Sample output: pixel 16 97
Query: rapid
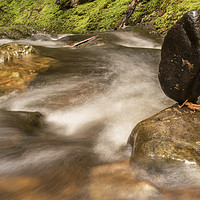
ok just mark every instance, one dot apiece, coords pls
pixel 91 98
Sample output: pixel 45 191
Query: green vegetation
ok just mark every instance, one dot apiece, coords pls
pixel 162 14
pixel 98 15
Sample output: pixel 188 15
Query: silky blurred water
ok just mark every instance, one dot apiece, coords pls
pixel 91 99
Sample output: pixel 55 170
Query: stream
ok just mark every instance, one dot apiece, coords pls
pixel 91 99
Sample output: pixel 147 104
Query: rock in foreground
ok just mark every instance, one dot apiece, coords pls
pixel 171 135
pixel 180 59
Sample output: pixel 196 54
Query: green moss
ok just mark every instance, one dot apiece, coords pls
pixel 164 13
pixel 98 15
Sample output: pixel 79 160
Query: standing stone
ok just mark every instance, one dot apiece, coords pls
pixel 179 70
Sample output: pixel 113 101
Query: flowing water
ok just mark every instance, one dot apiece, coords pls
pixel 91 99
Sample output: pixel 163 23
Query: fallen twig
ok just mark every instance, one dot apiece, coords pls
pixel 190 105
pixel 83 41
pixel 183 104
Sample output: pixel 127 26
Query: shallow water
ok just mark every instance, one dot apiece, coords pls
pixel 91 98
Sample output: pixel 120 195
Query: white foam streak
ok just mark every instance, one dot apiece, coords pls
pixel 30 160
pixel 5 41
pixel 24 101
pixel 132 96
pixel 40 39
pixel 131 39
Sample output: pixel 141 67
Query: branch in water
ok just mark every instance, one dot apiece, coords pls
pixel 83 41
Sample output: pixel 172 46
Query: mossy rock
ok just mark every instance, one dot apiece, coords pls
pixel 17 69
pixel 11 51
pixel 172 135
pixel 83 16
pixel 16 32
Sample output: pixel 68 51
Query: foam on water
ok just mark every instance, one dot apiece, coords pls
pixel 5 41
pixel 133 39
pixel 40 39
pixel 131 94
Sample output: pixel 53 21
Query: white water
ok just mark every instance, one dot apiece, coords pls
pixel 94 97
pixel 40 39
pixel 134 39
pixel 133 95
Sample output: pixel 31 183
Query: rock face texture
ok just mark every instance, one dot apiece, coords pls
pixel 171 135
pixel 179 70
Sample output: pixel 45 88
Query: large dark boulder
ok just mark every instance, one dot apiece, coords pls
pixel 179 70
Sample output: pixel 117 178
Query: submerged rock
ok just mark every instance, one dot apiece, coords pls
pixel 179 70
pixel 14 123
pixel 12 50
pixel 171 135
pixel 17 69
pixel 105 184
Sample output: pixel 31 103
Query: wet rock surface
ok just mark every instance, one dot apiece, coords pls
pixel 171 135
pixel 11 51
pixel 21 121
pixel 18 66
pixel 179 70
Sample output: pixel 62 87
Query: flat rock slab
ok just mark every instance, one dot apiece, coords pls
pixel 171 135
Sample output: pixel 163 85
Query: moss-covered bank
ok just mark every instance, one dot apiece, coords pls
pixel 162 14
pixel 98 15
